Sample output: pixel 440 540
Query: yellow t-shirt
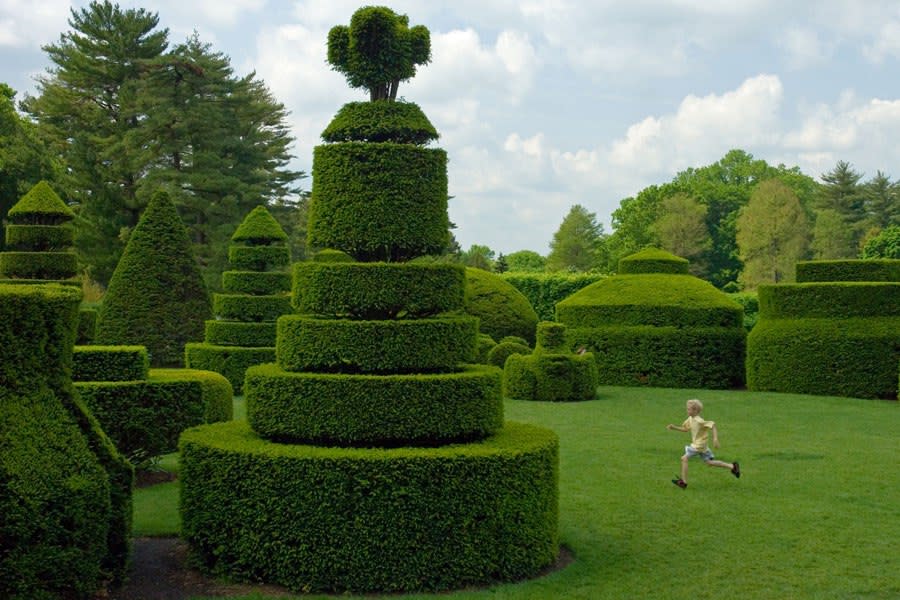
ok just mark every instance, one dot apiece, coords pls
pixel 699 432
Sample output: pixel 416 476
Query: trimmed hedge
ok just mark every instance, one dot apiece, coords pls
pixel 399 122
pixel 39 238
pixel 40 206
pixel 848 270
pixel 548 377
pixel 653 260
pixel 545 290
pixel 38 265
pixel 329 255
pixel 384 346
pixel 145 418
pixel 651 299
pixel 483 348
pixel 551 337
pixel 839 300
pixel 229 361
pixel 110 363
pixel 87 325
pixel 319 519
pixel 259 228
pixel 258 258
pixel 695 357
pixel 236 333
pixel 242 307
pixel 503 309
pixel 379 201
pixel 256 283
pixel 377 290
pixel 384 410
pixel 750 302
pixel 854 357
pixel 498 354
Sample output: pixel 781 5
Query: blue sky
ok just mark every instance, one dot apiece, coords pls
pixel 543 104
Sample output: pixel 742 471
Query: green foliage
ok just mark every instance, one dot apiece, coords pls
pixel 156 297
pixel 109 363
pixel 40 206
pixel 258 258
pixel 681 226
pixel 526 261
pixel 750 302
pixel 848 270
pixel 328 255
pixel 256 283
pixel 378 50
pixel 469 514
pixel 243 307
pixel 549 377
pixel 498 354
pixel 578 244
pixel 830 300
pixel 502 308
pixel 377 290
pixel 551 337
pixel 229 361
pixel 484 345
pixel 884 245
pixel 383 346
pixel 379 202
pixel 478 257
pixel 144 418
pixel 544 290
pixel 653 260
pixel 39 238
pixel 38 265
pixel 374 410
pixel 259 228
pixel 398 122
pixel 87 325
pixel 239 333
pixel 833 237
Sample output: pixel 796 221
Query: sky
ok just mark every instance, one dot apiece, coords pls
pixel 544 104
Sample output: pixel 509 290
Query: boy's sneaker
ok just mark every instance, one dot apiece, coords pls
pixel 736 469
pixel 680 483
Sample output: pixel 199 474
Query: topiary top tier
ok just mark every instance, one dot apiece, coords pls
pixel 653 260
pixel 381 121
pixel 848 270
pixel 40 206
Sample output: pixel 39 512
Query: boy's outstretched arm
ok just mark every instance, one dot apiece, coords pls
pixel 715 433
pixel 671 427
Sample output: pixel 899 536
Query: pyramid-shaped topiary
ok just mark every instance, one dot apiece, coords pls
pixel 372 458
pixel 255 295
pixel 655 324
pixel 156 296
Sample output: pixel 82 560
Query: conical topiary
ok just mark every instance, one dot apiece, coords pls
pixel 156 296
pixel 255 295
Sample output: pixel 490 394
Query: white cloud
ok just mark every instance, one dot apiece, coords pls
pixel 804 48
pixel 24 23
pixel 886 43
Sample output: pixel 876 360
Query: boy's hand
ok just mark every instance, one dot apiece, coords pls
pixel 716 443
pixel 670 427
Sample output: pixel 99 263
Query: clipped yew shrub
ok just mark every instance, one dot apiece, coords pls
pixel 66 500
pixel 665 329
pixel 544 290
pixel 551 373
pixel 829 338
pixel 374 459
pixel 502 309
pixel 243 332
pixel 156 296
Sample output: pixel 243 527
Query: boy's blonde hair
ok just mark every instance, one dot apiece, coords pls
pixel 697 403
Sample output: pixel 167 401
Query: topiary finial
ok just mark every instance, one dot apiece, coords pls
pixel 259 227
pixel 378 50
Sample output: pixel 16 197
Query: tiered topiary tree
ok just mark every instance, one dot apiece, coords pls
pixel 655 324
pixel 552 373
pixel 156 296
pixel 65 493
pixel 372 459
pixel 834 332
pixel 255 294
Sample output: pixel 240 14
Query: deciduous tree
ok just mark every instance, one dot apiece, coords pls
pixel 681 228
pixel 578 244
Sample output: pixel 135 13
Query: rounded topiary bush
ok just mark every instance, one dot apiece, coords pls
pixel 498 354
pixel 653 260
pixel 502 309
pixel 400 122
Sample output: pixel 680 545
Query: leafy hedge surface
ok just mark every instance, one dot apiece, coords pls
pixel 87 325
pixel 855 357
pixel 653 260
pixel 498 353
pixel 383 346
pixel 379 202
pixel 392 520
pixel 503 309
pixel 243 307
pixel 544 290
pixel 650 299
pixel 377 290
pixel 750 302
pixel 844 299
pixel 40 206
pixel 237 333
pixel 399 122
pixel 703 357
pixel 259 228
pixel 156 296
pixel 230 361
pixel 110 363
pixel 256 283
pixel 547 377
pixel 145 418
pixel 328 408
pixel 258 258
pixel 39 238
pixel 848 270
pixel 38 265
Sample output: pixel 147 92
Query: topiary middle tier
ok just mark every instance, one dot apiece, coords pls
pixel 325 519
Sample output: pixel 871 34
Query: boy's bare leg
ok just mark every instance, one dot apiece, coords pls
pixel 719 463
pixel 684 467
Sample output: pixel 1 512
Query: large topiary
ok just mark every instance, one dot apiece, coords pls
pixel 834 333
pixel 243 333
pixel 156 296
pixel 501 308
pixel 65 493
pixel 654 324
pixel 372 459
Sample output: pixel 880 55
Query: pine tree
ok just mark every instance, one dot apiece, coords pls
pixel 578 243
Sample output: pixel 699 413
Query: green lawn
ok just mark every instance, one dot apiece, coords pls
pixel 816 513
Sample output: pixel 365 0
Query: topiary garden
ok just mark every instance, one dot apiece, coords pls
pixel 373 459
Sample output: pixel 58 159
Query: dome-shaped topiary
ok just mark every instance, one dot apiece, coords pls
pixel 259 228
pixel 653 260
pixel 400 122
pixel 503 310
pixel 156 296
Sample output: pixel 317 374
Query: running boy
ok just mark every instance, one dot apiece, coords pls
pixel 699 429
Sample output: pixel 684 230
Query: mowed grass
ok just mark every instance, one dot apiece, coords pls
pixel 816 513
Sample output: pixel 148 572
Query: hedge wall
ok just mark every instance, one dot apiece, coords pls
pixel 544 290
pixel 110 363
pixel 229 361
pixel 386 410
pixel 319 519
pixel 550 377
pixel 839 300
pixel 238 333
pixel 503 309
pixel 379 201
pixel 848 270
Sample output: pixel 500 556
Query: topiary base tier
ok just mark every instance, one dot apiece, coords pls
pixel 231 361
pixel 360 519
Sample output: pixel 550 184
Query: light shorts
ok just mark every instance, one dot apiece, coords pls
pixel 691 452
